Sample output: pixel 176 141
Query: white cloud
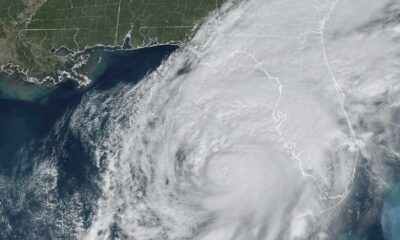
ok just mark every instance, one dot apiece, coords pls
pixel 256 140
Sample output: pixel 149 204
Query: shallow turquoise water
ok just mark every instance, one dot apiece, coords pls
pixel 12 89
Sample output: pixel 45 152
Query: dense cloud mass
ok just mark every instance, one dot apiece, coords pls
pixel 262 127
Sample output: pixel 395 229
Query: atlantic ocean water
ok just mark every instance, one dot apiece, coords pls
pixel 48 181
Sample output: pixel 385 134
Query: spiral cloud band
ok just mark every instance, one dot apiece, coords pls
pixel 254 130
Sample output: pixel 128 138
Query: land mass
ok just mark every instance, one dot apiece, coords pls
pixel 38 38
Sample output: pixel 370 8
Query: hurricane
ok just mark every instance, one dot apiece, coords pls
pixel 254 130
pixel 277 120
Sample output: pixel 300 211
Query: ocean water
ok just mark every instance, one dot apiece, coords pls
pixel 391 214
pixel 48 180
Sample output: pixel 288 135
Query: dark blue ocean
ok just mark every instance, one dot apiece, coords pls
pixel 35 198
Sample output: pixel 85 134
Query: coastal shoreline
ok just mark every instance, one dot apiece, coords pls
pixel 16 83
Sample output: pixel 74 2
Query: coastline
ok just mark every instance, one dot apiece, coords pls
pixel 88 65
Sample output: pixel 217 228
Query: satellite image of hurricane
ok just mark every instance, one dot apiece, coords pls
pixel 200 119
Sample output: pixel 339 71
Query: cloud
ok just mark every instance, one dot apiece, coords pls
pixel 248 132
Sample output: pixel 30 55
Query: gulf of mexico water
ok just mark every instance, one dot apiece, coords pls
pixel 48 181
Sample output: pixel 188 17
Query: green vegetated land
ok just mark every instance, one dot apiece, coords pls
pixel 29 29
